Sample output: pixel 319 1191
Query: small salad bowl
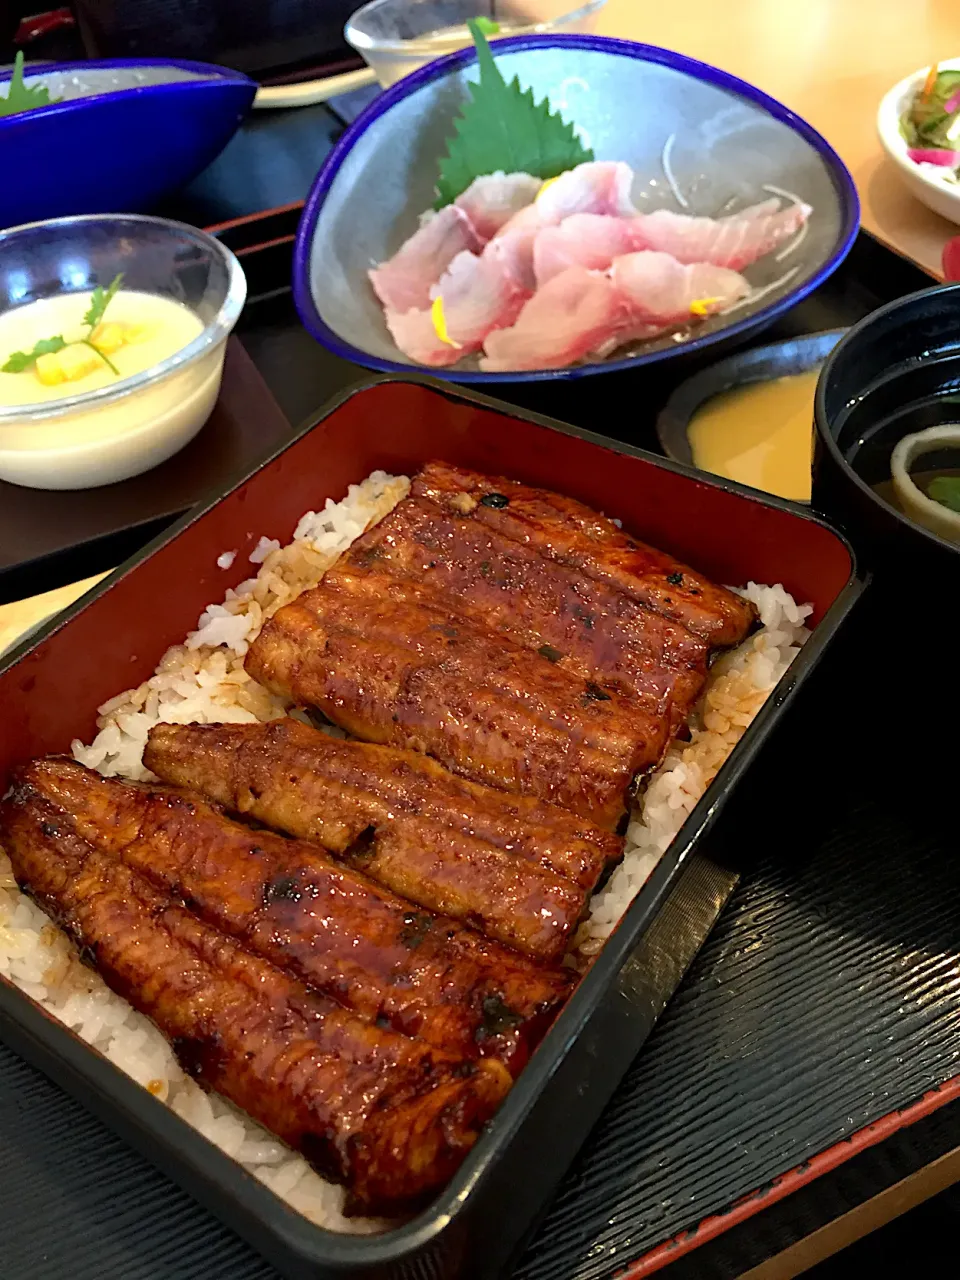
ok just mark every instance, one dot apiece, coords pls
pixel 699 140
pixel 118 134
pixel 936 184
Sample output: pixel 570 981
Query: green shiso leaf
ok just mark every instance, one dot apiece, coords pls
pixel 501 128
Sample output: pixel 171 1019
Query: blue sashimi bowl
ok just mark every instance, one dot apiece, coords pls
pixel 730 142
pixel 128 133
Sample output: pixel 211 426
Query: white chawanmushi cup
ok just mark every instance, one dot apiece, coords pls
pixel 97 437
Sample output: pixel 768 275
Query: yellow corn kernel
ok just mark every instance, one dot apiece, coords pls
pixel 49 370
pixel 109 337
pixel 77 361
pixel 137 332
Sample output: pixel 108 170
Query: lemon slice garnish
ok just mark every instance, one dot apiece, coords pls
pixel 440 322
pixel 700 306
pixel 549 183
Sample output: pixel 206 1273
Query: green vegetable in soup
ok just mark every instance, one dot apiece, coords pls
pixel 946 491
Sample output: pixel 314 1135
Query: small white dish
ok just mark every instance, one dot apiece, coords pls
pixel 927 182
pixel 118 430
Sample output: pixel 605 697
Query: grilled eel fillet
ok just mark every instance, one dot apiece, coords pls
pixel 388 1116
pixel 589 628
pixel 566 532
pixel 323 922
pixel 392 667
pixel 446 844
pixel 438 629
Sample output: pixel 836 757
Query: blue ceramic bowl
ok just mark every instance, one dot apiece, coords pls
pixel 731 145
pixel 128 133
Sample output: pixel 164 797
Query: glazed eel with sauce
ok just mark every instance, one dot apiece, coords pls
pixel 516 869
pixel 518 637
pixel 335 981
pixel 388 1115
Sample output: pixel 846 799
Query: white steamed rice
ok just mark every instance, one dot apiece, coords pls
pixel 203 681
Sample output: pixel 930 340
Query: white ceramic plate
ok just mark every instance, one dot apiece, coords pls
pixel 938 194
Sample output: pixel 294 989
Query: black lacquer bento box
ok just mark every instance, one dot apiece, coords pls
pixel 50 689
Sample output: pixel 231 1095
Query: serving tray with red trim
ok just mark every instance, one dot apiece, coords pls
pixel 810 1040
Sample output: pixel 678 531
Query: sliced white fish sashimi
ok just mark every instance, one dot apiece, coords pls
pixel 539 275
pixel 491 201
pixel 662 291
pixel 415 334
pixel 514 247
pixel 578 312
pixel 734 241
pixel 404 282
pixel 478 294
pixel 574 314
pixel 473 296
pixel 590 240
pixel 599 186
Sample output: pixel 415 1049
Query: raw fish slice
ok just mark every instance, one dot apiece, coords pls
pixel 514 244
pixel 660 291
pixel 734 241
pixel 491 201
pixel 479 294
pixel 600 186
pixel 403 283
pixel 590 240
pixel 527 220
pixel 513 247
pixel 640 332
pixel 573 314
pixel 754 210
pixel 415 334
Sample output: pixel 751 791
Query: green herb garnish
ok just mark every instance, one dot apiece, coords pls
pixel 946 491
pixel 100 299
pixel 21 98
pixel 22 360
pixel 502 129
pixel 487 26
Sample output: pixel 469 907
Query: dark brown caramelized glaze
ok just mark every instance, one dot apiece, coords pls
pixel 306 783
pixel 569 533
pixel 390 1117
pixel 366 804
pixel 407 673
pixel 516 636
pixel 325 923
pixel 594 630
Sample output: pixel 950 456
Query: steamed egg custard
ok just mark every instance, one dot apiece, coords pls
pixel 760 434
pixel 137 332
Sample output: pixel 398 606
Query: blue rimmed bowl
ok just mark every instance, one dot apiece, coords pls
pixel 127 133
pixel 732 145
